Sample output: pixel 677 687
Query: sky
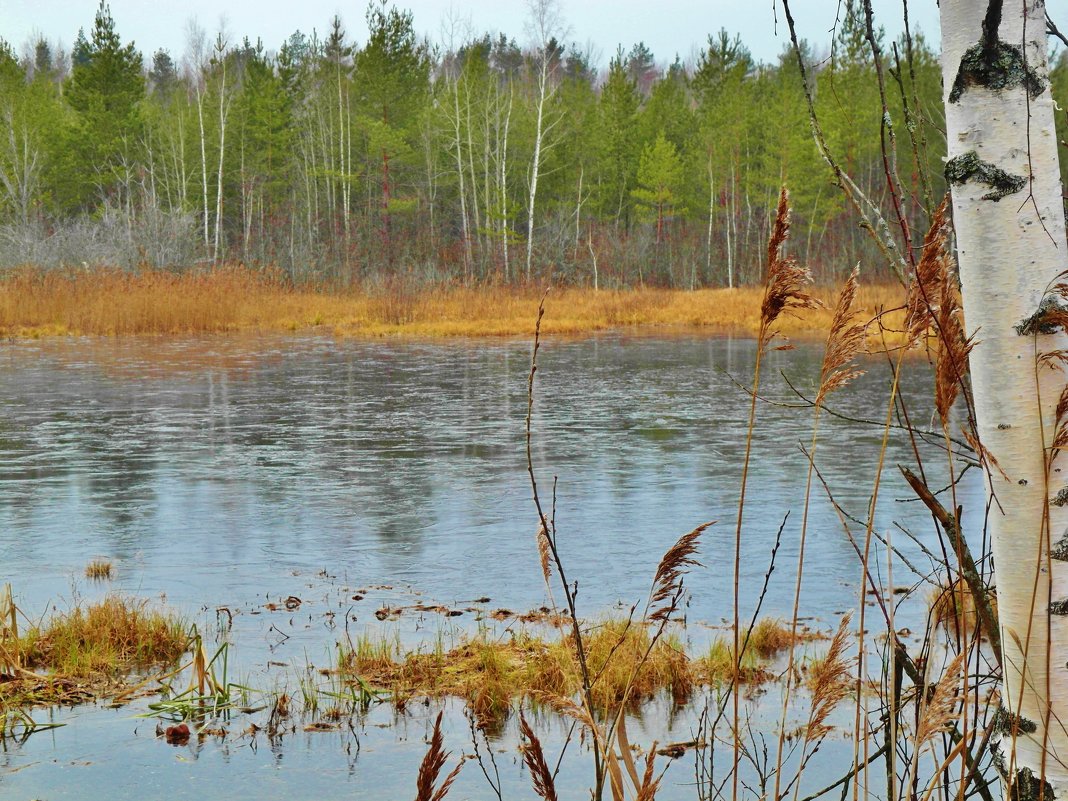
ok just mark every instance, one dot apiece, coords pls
pixel 667 27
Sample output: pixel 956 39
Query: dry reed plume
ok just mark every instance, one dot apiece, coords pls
pixel 541 776
pixel 786 282
pixel 830 680
pixel 427 788
pixel 844 342
pixel 933 305
pixel 112 302
pixel 667 581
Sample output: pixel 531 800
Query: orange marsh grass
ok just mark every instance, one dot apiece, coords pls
pixel 113 302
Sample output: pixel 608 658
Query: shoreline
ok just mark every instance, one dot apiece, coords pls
pixel 35 305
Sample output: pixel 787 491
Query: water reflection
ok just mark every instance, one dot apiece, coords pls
pixel 231 471
pixel 404 462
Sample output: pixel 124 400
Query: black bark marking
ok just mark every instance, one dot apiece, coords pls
pixel 1060 550
pixel 966 166
pixel 1050 317
pixel 1008 723
pixel 1059 607
pixel 1026 786
pixel 994 64
pixel 1061 499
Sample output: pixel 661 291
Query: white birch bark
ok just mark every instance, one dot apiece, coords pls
pixel 506 227
pixel 544 20
pixel 1011 248
pixel 220 48
pixel 535 163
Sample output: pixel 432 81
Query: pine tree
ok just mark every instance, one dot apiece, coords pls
pixel 619 148
pixel 105 89
pixel 659 179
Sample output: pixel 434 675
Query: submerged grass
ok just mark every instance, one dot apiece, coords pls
pixel 34 303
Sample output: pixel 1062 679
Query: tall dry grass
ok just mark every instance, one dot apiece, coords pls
pixel 104 302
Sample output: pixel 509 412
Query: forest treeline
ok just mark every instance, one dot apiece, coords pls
pixel 345 163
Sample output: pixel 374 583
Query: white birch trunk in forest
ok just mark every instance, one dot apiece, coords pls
pixel 458 145
pixel 535 163
pixel 223 109
pixel 203 162
pixel 502 183
pixel 1009 221
pixel 544 21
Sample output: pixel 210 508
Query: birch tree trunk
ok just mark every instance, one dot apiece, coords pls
pixel 1009 220
pixel 535 164
pixel 224 107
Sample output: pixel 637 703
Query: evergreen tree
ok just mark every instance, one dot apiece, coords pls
pixel 619 148
pixel 163 77
pixel 105 89
pixel 641 67
pixel 393 81
pixel 659 180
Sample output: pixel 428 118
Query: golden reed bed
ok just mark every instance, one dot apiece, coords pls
pixel 111 302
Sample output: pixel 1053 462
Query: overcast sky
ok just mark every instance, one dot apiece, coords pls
pixel 668 27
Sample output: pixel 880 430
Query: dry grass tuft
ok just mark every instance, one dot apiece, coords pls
pixel 489 674
pixel 34 303
pixel 110 637
pixel 98 570
pixel 717 666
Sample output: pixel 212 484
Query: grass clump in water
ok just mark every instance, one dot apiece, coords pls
pixel 111 637
pixel 717 665
pixel 98 570
pixel 490 673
